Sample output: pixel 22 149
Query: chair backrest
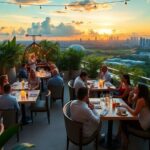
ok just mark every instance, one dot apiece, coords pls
pixel 73 128
pixel 10 117
pixel 71 90
pixel 57 92
pixel 47 97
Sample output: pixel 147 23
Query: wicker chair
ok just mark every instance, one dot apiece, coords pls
pixel 74 130
pixel 71 90
pixel 140 133
pixel 41 106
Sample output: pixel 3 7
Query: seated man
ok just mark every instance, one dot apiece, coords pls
pixel 7 101
pixel 105 74
pixel 83 111
pixel 23 72
pixel 56 79
pixel 80 81
pixel 56 86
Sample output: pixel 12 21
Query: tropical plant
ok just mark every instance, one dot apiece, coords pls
pixel 52 50
pixel 93 64
pixel 70 59
pixel 11 54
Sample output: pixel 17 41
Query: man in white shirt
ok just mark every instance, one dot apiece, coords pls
pixel 80 81
pixel 105 74
pixel 83 111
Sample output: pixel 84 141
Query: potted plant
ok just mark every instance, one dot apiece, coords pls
pixel 71 60
pixel 51 50
pixel 93 64
pixel 11 55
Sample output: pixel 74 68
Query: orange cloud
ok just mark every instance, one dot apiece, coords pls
pixel 88 5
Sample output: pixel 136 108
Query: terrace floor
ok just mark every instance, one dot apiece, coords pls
pixel 53 136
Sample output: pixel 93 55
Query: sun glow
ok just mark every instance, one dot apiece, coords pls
pixel 105 31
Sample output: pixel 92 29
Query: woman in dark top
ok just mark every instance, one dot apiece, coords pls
pixel 124 87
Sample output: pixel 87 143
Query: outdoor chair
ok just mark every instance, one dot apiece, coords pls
pixel 41 106
pixel 11 117
pixel 71 90
pixel 57 93
pixel 74 130
pixel 140 133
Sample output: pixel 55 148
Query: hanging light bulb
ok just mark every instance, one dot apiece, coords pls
pixel 40 7
pixel 125 2
pixel 65 7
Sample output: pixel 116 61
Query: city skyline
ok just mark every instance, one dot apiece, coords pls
pixel 84 20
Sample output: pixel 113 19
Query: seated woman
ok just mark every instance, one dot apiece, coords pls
pixel 124 88
pixel 33 81
pixel 3 81
pixel 23 74
pixel 141 109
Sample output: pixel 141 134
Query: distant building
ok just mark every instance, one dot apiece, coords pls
pixel 144 42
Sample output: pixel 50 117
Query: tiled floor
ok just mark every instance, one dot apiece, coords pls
pixel 53 136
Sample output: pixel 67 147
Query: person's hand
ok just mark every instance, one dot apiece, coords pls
pixel 91 106
pixel 123 105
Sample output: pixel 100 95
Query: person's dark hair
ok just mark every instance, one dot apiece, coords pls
pixel 127 77
pixel 83 74
pixel 82 92
pixel 144 93
pixel 7 88
pixel 23 65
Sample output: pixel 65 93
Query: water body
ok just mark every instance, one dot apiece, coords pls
pixel 125 62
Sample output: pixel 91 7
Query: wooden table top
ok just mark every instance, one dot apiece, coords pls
pixel 43 74
pixel 32 96
pixel 18 85
pixel 96 87
pixel 102 104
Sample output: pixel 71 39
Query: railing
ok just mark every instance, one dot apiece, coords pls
pixel 115 73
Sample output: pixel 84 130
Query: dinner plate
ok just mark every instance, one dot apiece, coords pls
pixel 122 114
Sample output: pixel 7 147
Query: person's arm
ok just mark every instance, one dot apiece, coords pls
pixel 125 94
pixel 92 116
pixel 140 104
pixel 37 85
pixel 16 104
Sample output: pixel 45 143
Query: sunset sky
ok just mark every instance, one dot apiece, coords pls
pixel 83 20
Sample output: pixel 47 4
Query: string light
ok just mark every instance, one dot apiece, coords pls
pixel 71 5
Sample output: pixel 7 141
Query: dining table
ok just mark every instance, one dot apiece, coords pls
pixel 43 75
pixel 20 85
pixel 94 85
pixel 28 97
pixel 109 109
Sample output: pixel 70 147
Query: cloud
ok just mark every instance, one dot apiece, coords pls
pixel 60 12
pixel 30 1
pixel 20 31
pixel 46 28
pixel 77 22
pixel 87 5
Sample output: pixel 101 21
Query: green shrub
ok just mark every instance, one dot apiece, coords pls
pixel 70 59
